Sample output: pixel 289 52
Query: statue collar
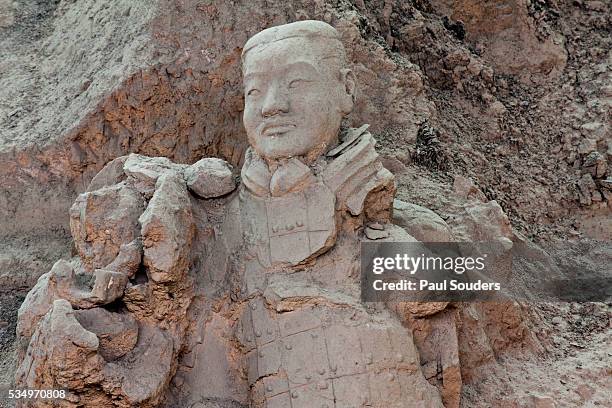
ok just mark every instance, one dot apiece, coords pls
pixel 292 174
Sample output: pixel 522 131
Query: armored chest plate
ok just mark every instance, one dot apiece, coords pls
pixel 296 225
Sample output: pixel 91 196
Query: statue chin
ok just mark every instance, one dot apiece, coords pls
pixel 290 144
pixel 278 151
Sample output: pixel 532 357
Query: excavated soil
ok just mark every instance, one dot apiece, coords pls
pixel 9 304
pixel 518 94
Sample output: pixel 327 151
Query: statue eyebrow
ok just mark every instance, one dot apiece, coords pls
pixel 297 64
pixel 252 75
pixel 302 64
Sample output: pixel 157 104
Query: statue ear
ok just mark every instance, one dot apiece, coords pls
pixel 348 96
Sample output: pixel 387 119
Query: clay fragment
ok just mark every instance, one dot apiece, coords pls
pixel 108 286
pixel 116 332
pixel 420 222
pixel 103 220
pixel 143 171
pixel 167 230
pixel 210 178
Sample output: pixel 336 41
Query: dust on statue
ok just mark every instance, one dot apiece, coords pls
pixel 187 292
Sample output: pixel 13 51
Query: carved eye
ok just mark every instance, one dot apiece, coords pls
pixel 296 83
pixel 253 92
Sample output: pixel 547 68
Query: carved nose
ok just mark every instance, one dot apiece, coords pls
pixel 276 102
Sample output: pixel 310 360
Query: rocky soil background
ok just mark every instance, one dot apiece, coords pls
pixel 506 100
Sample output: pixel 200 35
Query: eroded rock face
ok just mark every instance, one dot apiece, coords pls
pixel 84 327
pixel 117 333
pixel 508 34
pixel 61 282
pixel 143 171
pixel 141 378
pixel 103 220
pixel 420 222
pixel 436 339
pixel 167 230
pixel 61 354
pixel 465 188
pixel 483 222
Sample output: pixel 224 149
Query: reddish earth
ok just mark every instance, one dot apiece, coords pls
pixel 517 95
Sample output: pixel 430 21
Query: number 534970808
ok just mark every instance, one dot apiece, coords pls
pixel 36 394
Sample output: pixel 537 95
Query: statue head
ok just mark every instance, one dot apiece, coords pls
pixel 297 89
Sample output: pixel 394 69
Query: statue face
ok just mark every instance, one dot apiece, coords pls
pixel 294 100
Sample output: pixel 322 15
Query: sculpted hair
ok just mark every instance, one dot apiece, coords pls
pixel 323 34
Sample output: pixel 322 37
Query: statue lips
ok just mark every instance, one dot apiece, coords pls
pixel 276 128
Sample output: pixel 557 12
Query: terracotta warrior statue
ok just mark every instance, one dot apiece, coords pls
pixel 308 191
pixel 188 292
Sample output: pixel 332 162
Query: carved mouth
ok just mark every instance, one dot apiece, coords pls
pixel 276 129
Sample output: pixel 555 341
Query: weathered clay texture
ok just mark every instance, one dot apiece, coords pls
pixel 108 325
pixel 164 80
pixel 297 332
